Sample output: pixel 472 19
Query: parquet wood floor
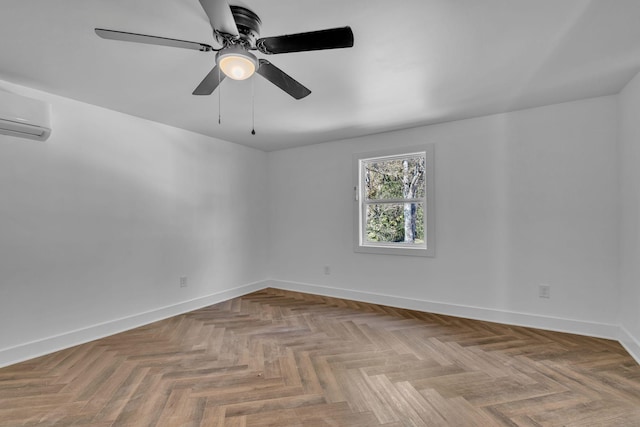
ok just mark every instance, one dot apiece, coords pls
pixel 279 358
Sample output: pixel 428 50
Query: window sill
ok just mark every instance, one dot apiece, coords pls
pixel 383 250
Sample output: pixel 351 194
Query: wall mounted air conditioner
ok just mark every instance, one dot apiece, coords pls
pixel 24 117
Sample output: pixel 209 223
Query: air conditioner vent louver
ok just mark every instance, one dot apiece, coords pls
pixel 24 117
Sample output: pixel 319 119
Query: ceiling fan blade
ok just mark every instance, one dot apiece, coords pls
pixel 210 82
pixel 281 79
pixel 333 38
pixel 143 38
pixel 220 16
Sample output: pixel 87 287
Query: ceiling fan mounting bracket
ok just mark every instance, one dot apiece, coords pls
pixel 225 39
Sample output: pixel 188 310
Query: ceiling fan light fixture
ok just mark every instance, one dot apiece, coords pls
pixel 236 63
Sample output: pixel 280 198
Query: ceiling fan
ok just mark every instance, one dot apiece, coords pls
pixel 237 29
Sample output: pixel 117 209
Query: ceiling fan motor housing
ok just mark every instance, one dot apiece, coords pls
pixel 248 24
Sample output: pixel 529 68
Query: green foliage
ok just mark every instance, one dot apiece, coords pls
pixel 385 223
pixel 384 179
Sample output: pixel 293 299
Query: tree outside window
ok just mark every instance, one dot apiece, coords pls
pixel 393 204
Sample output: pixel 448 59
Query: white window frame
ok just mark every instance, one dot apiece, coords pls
pixel 359 225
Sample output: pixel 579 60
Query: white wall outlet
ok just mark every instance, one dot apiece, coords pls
pixel 327 270
pixel 183 281
pixel 544 290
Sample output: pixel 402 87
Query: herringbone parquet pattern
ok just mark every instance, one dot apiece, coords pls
pixel 278 358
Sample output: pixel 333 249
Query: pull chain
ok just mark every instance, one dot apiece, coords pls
pixel 253 105
pixel 219 90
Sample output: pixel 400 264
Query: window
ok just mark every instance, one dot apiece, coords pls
pixel 394 202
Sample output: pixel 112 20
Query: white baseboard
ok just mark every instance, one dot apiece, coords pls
pixel 630 343
pixel 30 350
pixel 592 329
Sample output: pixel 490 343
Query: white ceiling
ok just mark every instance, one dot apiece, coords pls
pixel 414 62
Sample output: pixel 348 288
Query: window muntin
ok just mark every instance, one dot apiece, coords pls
pixel 394 202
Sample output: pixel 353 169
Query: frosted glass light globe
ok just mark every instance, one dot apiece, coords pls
pixel 236 63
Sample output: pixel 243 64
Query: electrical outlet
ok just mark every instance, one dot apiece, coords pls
pixel 544 290
pixel 183 281
pixel 327 270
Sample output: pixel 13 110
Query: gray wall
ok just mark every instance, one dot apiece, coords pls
pixel 99 222
pixel 522 198
pixel 629 107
